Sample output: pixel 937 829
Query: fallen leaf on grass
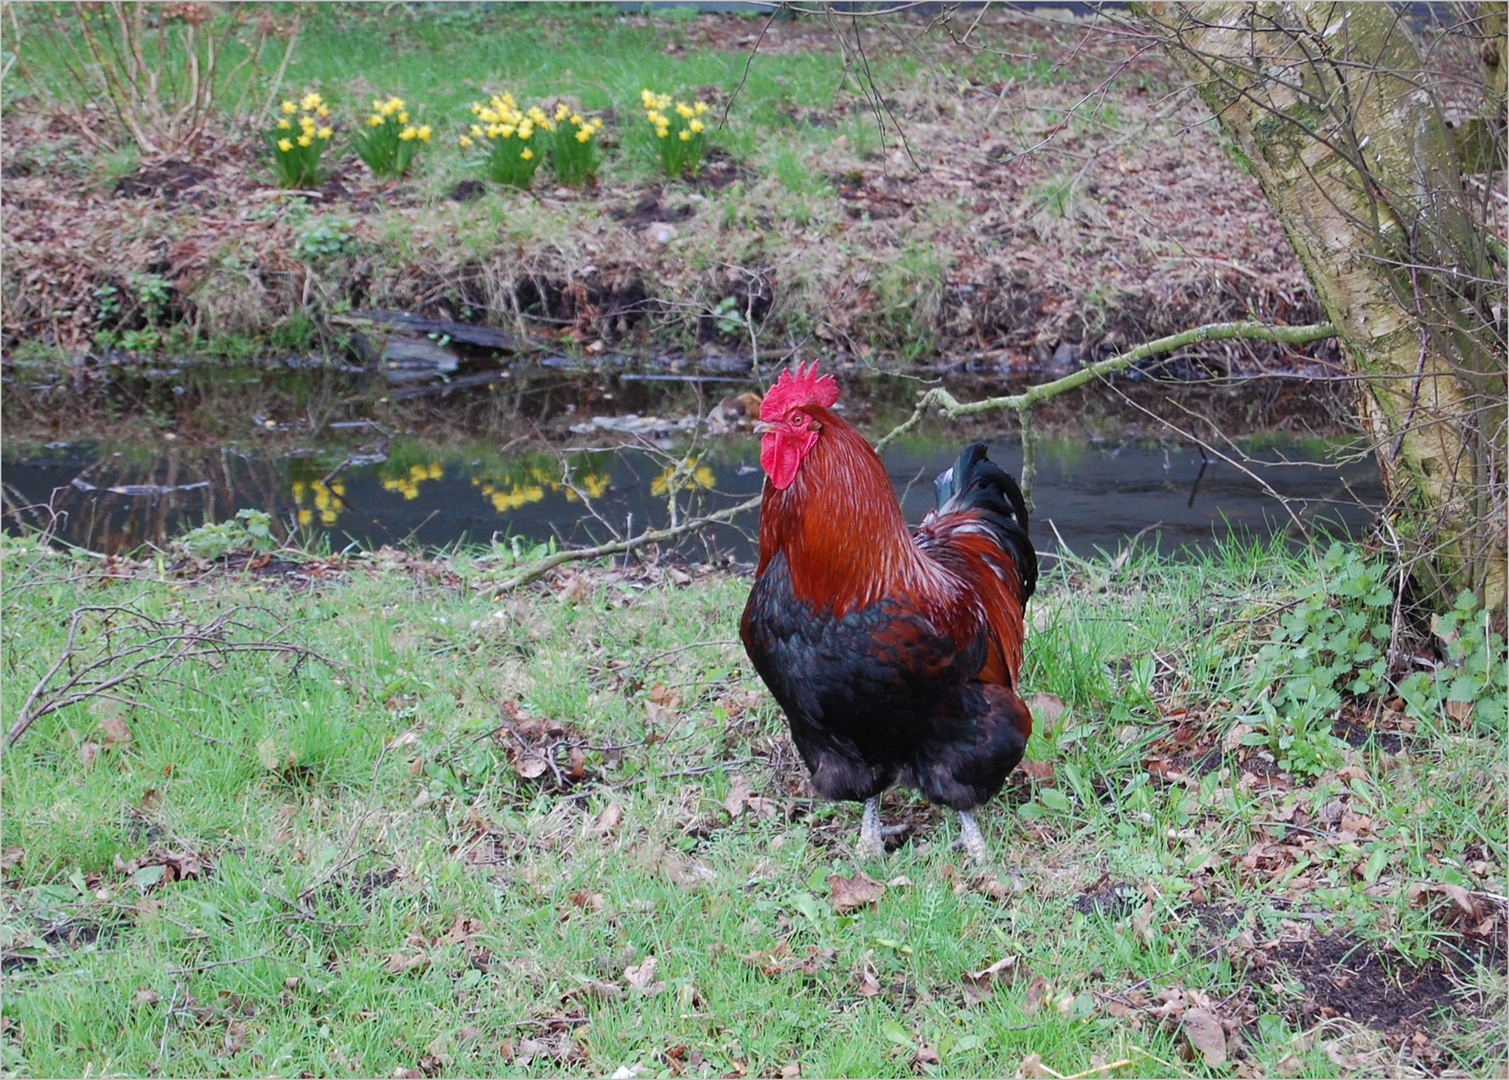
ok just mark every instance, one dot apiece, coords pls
pixel 1041 772
pixel 608 819
pixel 791 1070
pixel 145 995
pixel 1205 1034
pixel 530 766
pixel 926 1054
pixel 641 976
pixel 1037 990
pixel 1032 1068
pixel 980 985
pixel 594 989
pixel 851 894
pixel 869 981
pixel 462 927
pixel 1046 710
pixel 402 963
pixel 115 733
pixel 741 797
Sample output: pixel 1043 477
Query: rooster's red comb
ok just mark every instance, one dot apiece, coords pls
pixel 798 386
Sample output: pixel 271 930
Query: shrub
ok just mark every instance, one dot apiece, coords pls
pixel 680 132
pixel 297 139
pixel 388 142
pixel 515 140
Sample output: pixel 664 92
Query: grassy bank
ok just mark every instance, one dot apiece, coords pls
pixel 360 817
pixel 1027 192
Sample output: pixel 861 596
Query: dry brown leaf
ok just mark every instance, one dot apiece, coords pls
pixel 1032 1068
pixel 1203 1030
pixel 1041 772
pixel 662 695
pixel 115 733
pixel 1037 990
pixel 400 963
pixel 1046 710
pixel 641 976
pixel 739 794
pixel 869 981
pixel 595 988
pixel 980 985
pixel 927 1054
pixel 145 995
pixel 530 766
pixel 608 819
pixel 851 894
pixel 462 927
pixel 791 1070
pixel 87 753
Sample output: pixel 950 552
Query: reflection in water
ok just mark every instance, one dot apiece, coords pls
pixel 1091 497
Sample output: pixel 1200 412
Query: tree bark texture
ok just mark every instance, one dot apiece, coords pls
pixel 1330 106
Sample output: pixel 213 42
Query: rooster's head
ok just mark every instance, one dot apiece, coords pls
pixel 790 429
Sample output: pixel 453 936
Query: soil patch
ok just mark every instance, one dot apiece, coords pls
pixel 1348 978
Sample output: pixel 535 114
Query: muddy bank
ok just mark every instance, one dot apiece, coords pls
pixel 1033 222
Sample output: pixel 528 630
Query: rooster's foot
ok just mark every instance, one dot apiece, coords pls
pixel 871 836
pixel 970 839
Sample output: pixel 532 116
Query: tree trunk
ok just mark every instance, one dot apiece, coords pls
pixel 1331 107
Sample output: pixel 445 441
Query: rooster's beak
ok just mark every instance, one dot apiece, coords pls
pixel 762 426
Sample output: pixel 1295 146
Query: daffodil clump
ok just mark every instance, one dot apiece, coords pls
pixel 680 132
pixel 516 140
pixel 388 140
pixel 573 146
pixel 297 139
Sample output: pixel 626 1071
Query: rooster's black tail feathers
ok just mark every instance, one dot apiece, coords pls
pixel 978 485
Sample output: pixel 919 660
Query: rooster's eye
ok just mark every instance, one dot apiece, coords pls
pixel 798 419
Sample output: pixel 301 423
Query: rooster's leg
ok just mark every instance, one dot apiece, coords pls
pixel 871 842
pixel 969 837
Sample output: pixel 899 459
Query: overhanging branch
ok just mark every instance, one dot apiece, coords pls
pixel 952 407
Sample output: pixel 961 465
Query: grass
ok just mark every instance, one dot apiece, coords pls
pixel 435 832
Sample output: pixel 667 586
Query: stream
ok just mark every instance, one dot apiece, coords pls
pixel 584 457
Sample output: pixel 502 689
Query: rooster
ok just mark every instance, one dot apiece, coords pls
pixel 895 655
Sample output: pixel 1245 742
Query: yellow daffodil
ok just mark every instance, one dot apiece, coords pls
pixel 407 133
pixel 685 136
pixel 465 141
pixel 284 125
pixel 311 101
pixel 583 135
pixel 289 108
pixel 323 110
pixel 700 108
pixel 306 140
pixel 403 117
pixel 424 132
pixel 325 132
pixel 285 145
pixel 528 154
pixel 374 121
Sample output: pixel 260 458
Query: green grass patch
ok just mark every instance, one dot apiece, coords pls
pixel 360 817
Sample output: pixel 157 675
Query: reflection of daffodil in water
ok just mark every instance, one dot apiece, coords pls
pixel 687 474
pixel 591 484
pixel 407 483
pixel 313 499
pixel 514 497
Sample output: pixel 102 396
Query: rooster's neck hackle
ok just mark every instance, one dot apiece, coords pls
pixel 840 527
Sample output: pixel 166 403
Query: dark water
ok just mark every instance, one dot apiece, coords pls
pixel 1089 496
